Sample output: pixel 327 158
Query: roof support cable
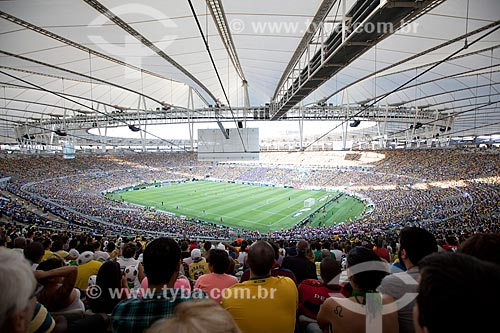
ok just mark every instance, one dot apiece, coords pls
pixel 415 56
pixel 78 74
pixel 91 87
pixel 217 73
pixel 404 84
pixel 466 26
pixel 85 106
pixel 491 71
pixel 146 42
pixel 81 47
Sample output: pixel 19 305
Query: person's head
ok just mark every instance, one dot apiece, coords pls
pixel 207 246
pixel 110 247
pixel 483 246
pixel 302 247
pixel 325 253
pixel 109 275
pixel 57 245
pixel 49 265
pixel 34 252
pixel 276 250
pixel 19 243
pixel 17 292
pixel 329 270
pixel 371 269
pixel 218 261
pixel 184 246
pixel 379 242
pixel 199 316
pixel 451 240
pixel 310 254
pixel 444 303
pixel 161 261
pixel 72 243
pixel 96 246
pixel 260 258
pixel 195 254
pixel 47 244
pixel 109 278
pixel 414 244
pixel 129 250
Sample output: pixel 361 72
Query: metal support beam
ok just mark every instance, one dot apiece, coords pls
pixel 306 40
pixel 340 47
pixel 190 105
pixel 246 100
pixel 301 127
pixel 345 123
pixel 220 21
pixel 146 42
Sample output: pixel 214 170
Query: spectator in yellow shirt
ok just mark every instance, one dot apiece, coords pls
pixel 87 266
pixel 47 244
pixel 264 303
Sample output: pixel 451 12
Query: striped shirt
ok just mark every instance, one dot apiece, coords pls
pixel 42 321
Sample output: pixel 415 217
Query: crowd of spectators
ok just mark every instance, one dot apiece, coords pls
pixel 74 282
pixel 448 191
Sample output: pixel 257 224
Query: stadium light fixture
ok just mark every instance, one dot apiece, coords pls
pixel 134 128
pixel 60 133
pixel 355 123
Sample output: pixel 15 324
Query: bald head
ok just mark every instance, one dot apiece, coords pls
pixel 260 258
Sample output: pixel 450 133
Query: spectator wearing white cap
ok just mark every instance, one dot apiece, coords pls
pixel 198 266
pixel 100 255
pixel 72 257
pixel 194 253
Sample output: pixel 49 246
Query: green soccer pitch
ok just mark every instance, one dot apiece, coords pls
pixel 248 207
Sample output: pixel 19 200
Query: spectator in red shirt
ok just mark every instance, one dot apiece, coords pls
pixel 312 293
pixel 451 243
pixel 381 250
pixel 192 246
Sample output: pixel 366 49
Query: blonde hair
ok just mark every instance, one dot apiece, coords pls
pixel 199 316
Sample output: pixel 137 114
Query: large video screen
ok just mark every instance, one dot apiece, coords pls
pixel 213 145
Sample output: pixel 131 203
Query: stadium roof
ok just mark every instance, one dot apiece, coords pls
pixel 67 58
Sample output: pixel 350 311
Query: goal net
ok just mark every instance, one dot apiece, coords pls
pixel 309 202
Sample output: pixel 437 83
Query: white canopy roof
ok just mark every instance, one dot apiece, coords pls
pixel 56 48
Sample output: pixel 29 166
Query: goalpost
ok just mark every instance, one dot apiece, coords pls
pixel 309 202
